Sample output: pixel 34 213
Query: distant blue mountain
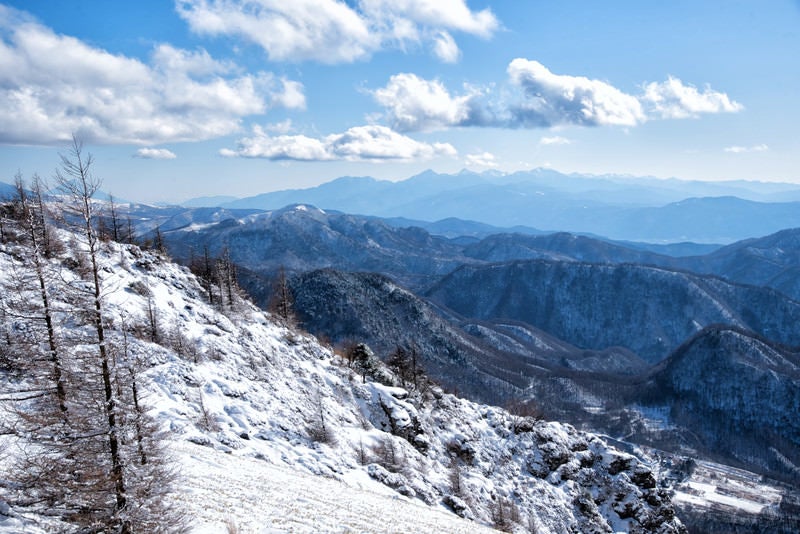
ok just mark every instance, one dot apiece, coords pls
pixel 6 190
pixel 208 202
pixel 617 207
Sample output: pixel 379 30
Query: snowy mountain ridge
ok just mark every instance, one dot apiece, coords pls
pixel 244 400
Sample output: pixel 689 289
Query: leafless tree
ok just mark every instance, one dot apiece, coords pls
pixel 282 303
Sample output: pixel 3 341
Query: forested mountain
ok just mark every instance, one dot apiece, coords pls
pixel 157 359
pixel 300 238
pixel 495 362
pixel 500 361
pixel 739 394
pixel 773 261
pixel 649 310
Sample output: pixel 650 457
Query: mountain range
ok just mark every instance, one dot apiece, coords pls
pixel 617 207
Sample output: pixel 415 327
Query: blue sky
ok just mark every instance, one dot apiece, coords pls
pixel 238 97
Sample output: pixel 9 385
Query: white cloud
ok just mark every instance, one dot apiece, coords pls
pixel 482 159
pixel 291 96
pixel 555 140
pixel 450 14
pixel 53 86
pixel 674 100
pixel 360 143
pixel 745 149
pixel 154 153
pixel 332 31
pixel 415 104
pixel 535 97
pixel 557 99
pixel 445 48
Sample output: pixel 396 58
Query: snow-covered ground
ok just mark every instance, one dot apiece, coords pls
pixel 260 497
pixel 275 432
pixel 716 486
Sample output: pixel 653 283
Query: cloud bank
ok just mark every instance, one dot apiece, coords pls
pixel 535 97
pixel 360 143
pixel 53 85
pixel 332 31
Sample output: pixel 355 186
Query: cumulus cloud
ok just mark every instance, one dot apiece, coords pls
pixel 556 99
pixel 535 97
pixel 154 153
pixel 482 159
pixel 52 86
pixel 745 149
pixel 674 100
pixel 332 31
pixel 415 104
pixel 555 140
pixel 360 143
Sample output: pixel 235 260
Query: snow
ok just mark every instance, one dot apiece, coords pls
pixel 259 497
pixel 712 486
pixel 275 433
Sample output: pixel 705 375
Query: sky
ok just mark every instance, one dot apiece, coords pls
pixel 188 98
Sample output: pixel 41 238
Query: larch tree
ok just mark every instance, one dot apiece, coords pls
pixel 75 179
pixel 137 478
pixel 282 303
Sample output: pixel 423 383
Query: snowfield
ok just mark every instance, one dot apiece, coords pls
pixel 258 497
pixel 274 432
pixel 726 488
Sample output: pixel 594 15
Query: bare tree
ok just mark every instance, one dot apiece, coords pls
pixel 115 235
pixel 226 277
pixel 88 452
pixel 282 303
pixel 76 179
pixel 34 225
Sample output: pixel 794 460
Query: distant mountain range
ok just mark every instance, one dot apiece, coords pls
pixel 617 207
pixel 302 238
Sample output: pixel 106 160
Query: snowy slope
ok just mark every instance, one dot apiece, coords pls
pixel 276 433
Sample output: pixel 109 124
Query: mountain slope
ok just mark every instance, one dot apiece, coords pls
pixel 646 309
pixel 242 386
pixel 771 260
pixel 739 393
pixel 485 361
pixel 304 238
pixel 559 246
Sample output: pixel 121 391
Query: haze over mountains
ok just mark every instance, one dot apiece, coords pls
pixel 616 207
